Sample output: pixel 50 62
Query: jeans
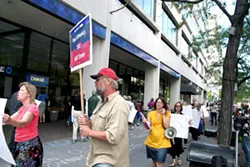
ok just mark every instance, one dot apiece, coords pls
pixel 102 165
pixel 246 148
pixel 137 118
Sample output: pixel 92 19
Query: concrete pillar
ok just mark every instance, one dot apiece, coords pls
pixel 152 83
pixel 175 89
pixel 100 60
pixel 101 49
pixel 202 99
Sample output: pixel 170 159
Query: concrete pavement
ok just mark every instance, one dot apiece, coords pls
pixel 62 153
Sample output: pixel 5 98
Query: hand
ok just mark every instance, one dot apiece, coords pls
pixel 6 118
pixel 83 120
pixel 163 111
pixel 85 130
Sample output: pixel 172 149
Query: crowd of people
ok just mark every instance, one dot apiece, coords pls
pixel 106 125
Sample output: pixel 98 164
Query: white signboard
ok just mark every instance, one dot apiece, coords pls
pixel 131 116
pixel 204 110
pixel 37 102
pixel 180 123
pixel 187 110
pixel 196 118
pixel 4 150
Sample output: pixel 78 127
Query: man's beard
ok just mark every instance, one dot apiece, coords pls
pixel 101 91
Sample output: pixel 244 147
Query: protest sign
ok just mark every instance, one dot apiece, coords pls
pixel 180 123
pixel 4 150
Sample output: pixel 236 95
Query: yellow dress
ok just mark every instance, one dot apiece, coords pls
pixel 156 138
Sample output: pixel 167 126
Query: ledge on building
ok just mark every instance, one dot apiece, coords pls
pixel 141 15
pixel 189 89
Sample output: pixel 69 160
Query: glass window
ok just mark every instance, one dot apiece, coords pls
pixel 59 73
pixel 4 27
pixel 184 47
pixel 39 52
pixel 11 49
pixel 147 6
pixel 169 28
pixel 59 65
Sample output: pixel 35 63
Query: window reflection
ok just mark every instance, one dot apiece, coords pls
pixel 11 49
pixel 38 59
pixel 147 6
pixel 169 28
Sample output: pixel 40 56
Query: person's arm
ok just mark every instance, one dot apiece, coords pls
pixel 166 119
pixel 27 118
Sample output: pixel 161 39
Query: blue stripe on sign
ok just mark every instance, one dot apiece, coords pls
pixel 65 12
pixel 169 70
pixel 122 43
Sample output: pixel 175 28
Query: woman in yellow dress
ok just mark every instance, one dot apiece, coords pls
pixel 156 143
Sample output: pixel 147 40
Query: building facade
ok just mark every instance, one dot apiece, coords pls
pixel 142 42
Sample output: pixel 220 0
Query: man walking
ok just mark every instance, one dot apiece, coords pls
pixel 108 128
pixel 92 102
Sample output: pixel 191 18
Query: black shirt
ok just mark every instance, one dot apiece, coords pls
pixel 76 102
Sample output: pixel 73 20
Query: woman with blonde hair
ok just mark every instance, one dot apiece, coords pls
pixel 28 149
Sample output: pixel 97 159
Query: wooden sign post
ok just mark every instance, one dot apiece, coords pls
pixel 81 49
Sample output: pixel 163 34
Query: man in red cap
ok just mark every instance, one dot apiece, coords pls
pixel 108 127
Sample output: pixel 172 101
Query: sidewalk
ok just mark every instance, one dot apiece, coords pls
pixel 57 131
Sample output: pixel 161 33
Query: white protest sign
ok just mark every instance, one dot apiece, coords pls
pixel 37 102
pixel 4 150
pixel 196 118
pixel 131 116
pixel 204 110
pixel 180 123
pixel 187 110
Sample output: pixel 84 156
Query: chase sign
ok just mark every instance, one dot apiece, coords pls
pixel 6 70
pixel 37 80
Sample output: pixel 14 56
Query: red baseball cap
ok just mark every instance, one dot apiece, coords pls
pixel 105 72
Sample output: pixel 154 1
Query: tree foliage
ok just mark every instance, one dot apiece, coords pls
pixel 234 64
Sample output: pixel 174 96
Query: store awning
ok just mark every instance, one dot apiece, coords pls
pixel 189 89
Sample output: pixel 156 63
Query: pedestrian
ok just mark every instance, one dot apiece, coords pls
pixel 75 103
pixel 213 110
pixel 28 146
pixel 131 108
pixel 14 107
pixel 176 150
pixel 156 143
pixel 43 97
pixel 151 104
pixel 108 127
pixel 138 107
pixel 92 103
pixel 196 132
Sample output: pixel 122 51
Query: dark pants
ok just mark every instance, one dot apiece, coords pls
pixel 214 118
pixel 11 144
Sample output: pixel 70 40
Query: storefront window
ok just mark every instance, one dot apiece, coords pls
pixel 39 53
pixel 168 28
pixel 11 49
pixel 147 6
pixel 59 71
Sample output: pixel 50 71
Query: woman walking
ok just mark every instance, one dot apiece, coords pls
pixel 156 143
pixel 176 150
pixel 28 149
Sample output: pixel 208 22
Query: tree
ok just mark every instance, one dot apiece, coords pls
pixel 229 61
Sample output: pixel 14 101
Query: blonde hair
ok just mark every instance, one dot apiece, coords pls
pixel 31 89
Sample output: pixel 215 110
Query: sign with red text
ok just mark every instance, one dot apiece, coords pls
pixel 81 44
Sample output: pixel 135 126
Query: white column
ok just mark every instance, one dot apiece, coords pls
pixel 151 85
pixel 202 100
pixel 100 59
pixel 175 89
